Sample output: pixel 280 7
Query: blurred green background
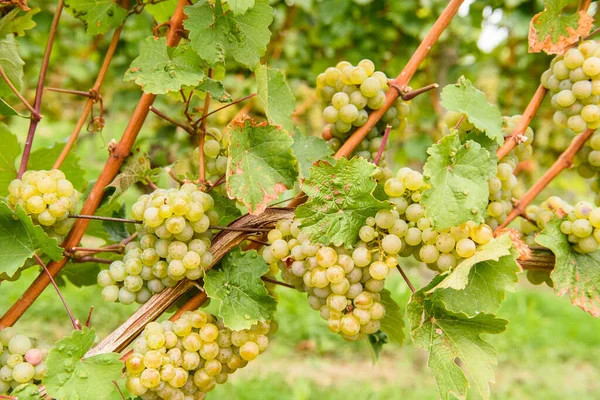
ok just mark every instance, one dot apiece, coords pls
pixel 550 349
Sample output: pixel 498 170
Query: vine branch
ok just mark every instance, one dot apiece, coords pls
pixel 34 114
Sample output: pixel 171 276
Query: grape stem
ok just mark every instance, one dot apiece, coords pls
pixel 37 103
pixel 119 389
pixel 89 94
pixel 86 259
pixel 186 128
pixel 202 134
pixel 173 176
pixel 218 182
pixel 276 282
pixel 87 109
pixel 386 135
pixel 460 120
pixel 39 261
pixel 110 170
pixel 406 96
pixel 239 229
pixel 406 279
pixel 34 114
pixel 564 161
pixel 204 116
pixel 111 219
pixel 88 321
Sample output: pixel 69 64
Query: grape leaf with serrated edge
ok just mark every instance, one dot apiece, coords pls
pixel 554 30
pixel 26 391
pixel 464 98
pixel 240 6
pixel 225 208
pixel 98 16
pixel 13 24
pixel 575 274
pixel 8 156
pixel 71 376
pixel 11 63
pixel 458 176
pixel 448 336
pixel 136 168
pixel 275 96
pixel 21 239
pixel 238 290
pixel 340 199
pixel 215 34
pixel 260 165
pixel 160 69
pixel 309 149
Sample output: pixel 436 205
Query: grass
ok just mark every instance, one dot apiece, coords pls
pixel 549 351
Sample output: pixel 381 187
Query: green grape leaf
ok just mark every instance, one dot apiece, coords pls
pixel 260 165
pixel 340 199
pixel 136 168
pixel 117 231
pixel 160 69
pixel 80 274
pixel 98 16
pixel 7 111
pixel 21 239
pixel 458 277
pixel 11 63
pixel 488 282
pixel 393 321
pixel 8 156
pixel 239 292
pixel 27 391
pixel 44 158
pixel 15 24
pixel 225 208
pixel 464 98
pixel 376 341
pixel 240 6
pixel 70 376
pixel 275 96
pixel 216 90
pixel 161 11
pixel 309 149
pixel 558 26
pixel 215 34
pixel 458 177
pixel 574 274
pixel 454 339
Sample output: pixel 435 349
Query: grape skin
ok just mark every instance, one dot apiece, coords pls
pixel 20 362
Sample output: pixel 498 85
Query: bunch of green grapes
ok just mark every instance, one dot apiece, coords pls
pixel 406 230
pixel 187 358
pixel 574 81
pixel 216 146
pixel 174 244
pixel 48 197
pixel 589 162
pixel 343 285
pixel 581 223
pixel 20 362
pixel 349 94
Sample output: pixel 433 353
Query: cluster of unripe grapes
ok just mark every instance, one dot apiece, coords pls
pixel 406 230
pixel 186 359
pixel 589 162
pixel 342 284
pixel 502 187
pixel 216 146
pixel 349 94
pixel 174 244
pixel 581 223
pixel 574 82
pixel 20 362
pixel 48 197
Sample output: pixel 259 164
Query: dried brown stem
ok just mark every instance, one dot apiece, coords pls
pixel 37 104
pixel 34 113
pixel 564 161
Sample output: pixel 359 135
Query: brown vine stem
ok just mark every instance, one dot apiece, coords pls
pixel 39 261
pixel 186 128
pixel 204 116
pixel 34 114
pixel 406 279
pixel 37 103
pixel 202 134
pixel 110 52
pixel 101 218
pixel 414 93
pixel 523 123
pixel 564 161
pixel 88 94
pixel 111 168
pixel 386 135
pixel 397 87
pixel 276 282
pixel 239 229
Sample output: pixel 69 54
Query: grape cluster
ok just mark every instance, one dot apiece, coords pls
pixel 574 81
pixel 48 197
pixel 174 244
pixel 216 147
pixel 406 230
pixel 589 162
pixel 20 362
pixel 581 223
pixel 349 94
pixel 187 358
pixel 343 285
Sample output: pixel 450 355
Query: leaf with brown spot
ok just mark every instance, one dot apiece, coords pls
pixel 555 29
pixel 136 168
